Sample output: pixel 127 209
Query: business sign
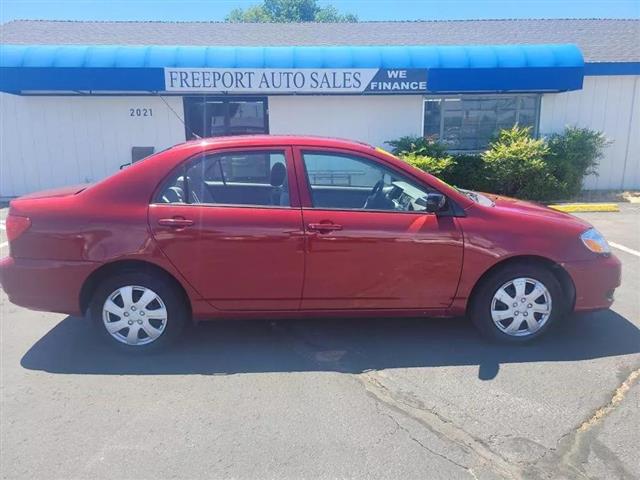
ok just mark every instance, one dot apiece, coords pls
pixel 295 80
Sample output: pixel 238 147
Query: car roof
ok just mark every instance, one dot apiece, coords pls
pixel 267 140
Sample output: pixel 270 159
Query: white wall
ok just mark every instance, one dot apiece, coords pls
pixel 610 104
pixel 47 142
pixel 370 119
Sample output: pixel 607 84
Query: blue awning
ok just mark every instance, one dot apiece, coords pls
pixel 449 69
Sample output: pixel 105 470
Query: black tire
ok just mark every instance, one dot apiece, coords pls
pixel 173 299
pixel 480 306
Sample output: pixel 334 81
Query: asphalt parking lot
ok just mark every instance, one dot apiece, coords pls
pixel 381 398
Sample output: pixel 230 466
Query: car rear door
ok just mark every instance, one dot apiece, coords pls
pixel 368 258
pixel 239 251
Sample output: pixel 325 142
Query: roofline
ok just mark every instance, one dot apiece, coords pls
pixel 206 22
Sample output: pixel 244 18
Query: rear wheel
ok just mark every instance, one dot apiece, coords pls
pixel 517 303
pixel 138 311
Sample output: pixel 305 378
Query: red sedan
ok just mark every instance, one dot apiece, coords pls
pixel 284 226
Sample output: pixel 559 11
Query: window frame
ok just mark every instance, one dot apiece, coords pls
pixel 482 96
pixel 305 189
pixel 185 164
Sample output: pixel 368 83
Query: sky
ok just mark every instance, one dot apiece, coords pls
pixel 211 10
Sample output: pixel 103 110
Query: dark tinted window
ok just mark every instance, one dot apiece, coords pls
pixel 214 116
pixel 470 122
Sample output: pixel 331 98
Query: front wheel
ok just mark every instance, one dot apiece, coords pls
pixel 138 311
pixel 517 303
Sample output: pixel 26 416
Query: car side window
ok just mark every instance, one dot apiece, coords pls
pixel 343 181
pixel 232 178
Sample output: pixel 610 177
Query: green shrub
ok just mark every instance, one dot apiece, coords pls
pixel 516 165
pixel 469 171
pixel 440 167
pixel 573 154
pixel 423 146
pixel 464 171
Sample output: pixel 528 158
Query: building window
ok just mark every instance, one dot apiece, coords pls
pixel 218 116
pixel 468 123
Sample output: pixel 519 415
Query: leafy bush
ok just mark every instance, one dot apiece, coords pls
pixel 432 157
pixel 440 167
pixel 423 146
pixel 514 164
pixel 469 171
pixel 574 154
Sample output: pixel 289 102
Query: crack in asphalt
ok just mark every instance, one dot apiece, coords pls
pixel 618 396
pixel 575 447
pixel 443 428
pixel 414 439
pixel 563 461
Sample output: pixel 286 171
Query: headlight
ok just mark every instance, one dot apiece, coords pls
pixel 594 241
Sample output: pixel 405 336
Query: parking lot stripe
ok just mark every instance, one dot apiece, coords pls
pixel 625 249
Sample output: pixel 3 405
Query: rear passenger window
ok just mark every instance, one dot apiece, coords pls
pixel 235 178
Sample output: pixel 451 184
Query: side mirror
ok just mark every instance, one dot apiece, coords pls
pixel 434 202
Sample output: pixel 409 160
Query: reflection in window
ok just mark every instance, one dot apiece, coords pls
pixel 246 117
pixel 339 181
pixel 470 122
pixel 338 170
pixel 242 167
pixel 211 116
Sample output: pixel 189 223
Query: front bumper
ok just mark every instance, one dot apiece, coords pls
pixel 48 285
pixel 595 281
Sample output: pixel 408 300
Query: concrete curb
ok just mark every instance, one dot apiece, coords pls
pixel 586 207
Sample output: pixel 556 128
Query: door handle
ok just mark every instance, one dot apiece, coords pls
pixel 175 222
pixel 323 227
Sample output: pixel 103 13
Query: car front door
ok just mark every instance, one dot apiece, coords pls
pixel 232 225
pixel 369 246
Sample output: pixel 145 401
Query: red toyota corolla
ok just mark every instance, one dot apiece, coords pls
pixel 284 226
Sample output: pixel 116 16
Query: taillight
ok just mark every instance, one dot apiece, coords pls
pixel 16 226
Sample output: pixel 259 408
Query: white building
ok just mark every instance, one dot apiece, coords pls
pixel 80 99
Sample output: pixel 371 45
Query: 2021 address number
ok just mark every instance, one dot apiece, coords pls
pixel 141 112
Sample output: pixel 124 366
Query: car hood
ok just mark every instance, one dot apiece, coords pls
pixel 534 210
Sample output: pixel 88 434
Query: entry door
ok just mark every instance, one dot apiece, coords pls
pixel 377 256
pixel 231 230
pixel 220 116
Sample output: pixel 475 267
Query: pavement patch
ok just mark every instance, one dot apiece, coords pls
pixel 617 397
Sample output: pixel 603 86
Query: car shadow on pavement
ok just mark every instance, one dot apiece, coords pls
pixel 341 345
